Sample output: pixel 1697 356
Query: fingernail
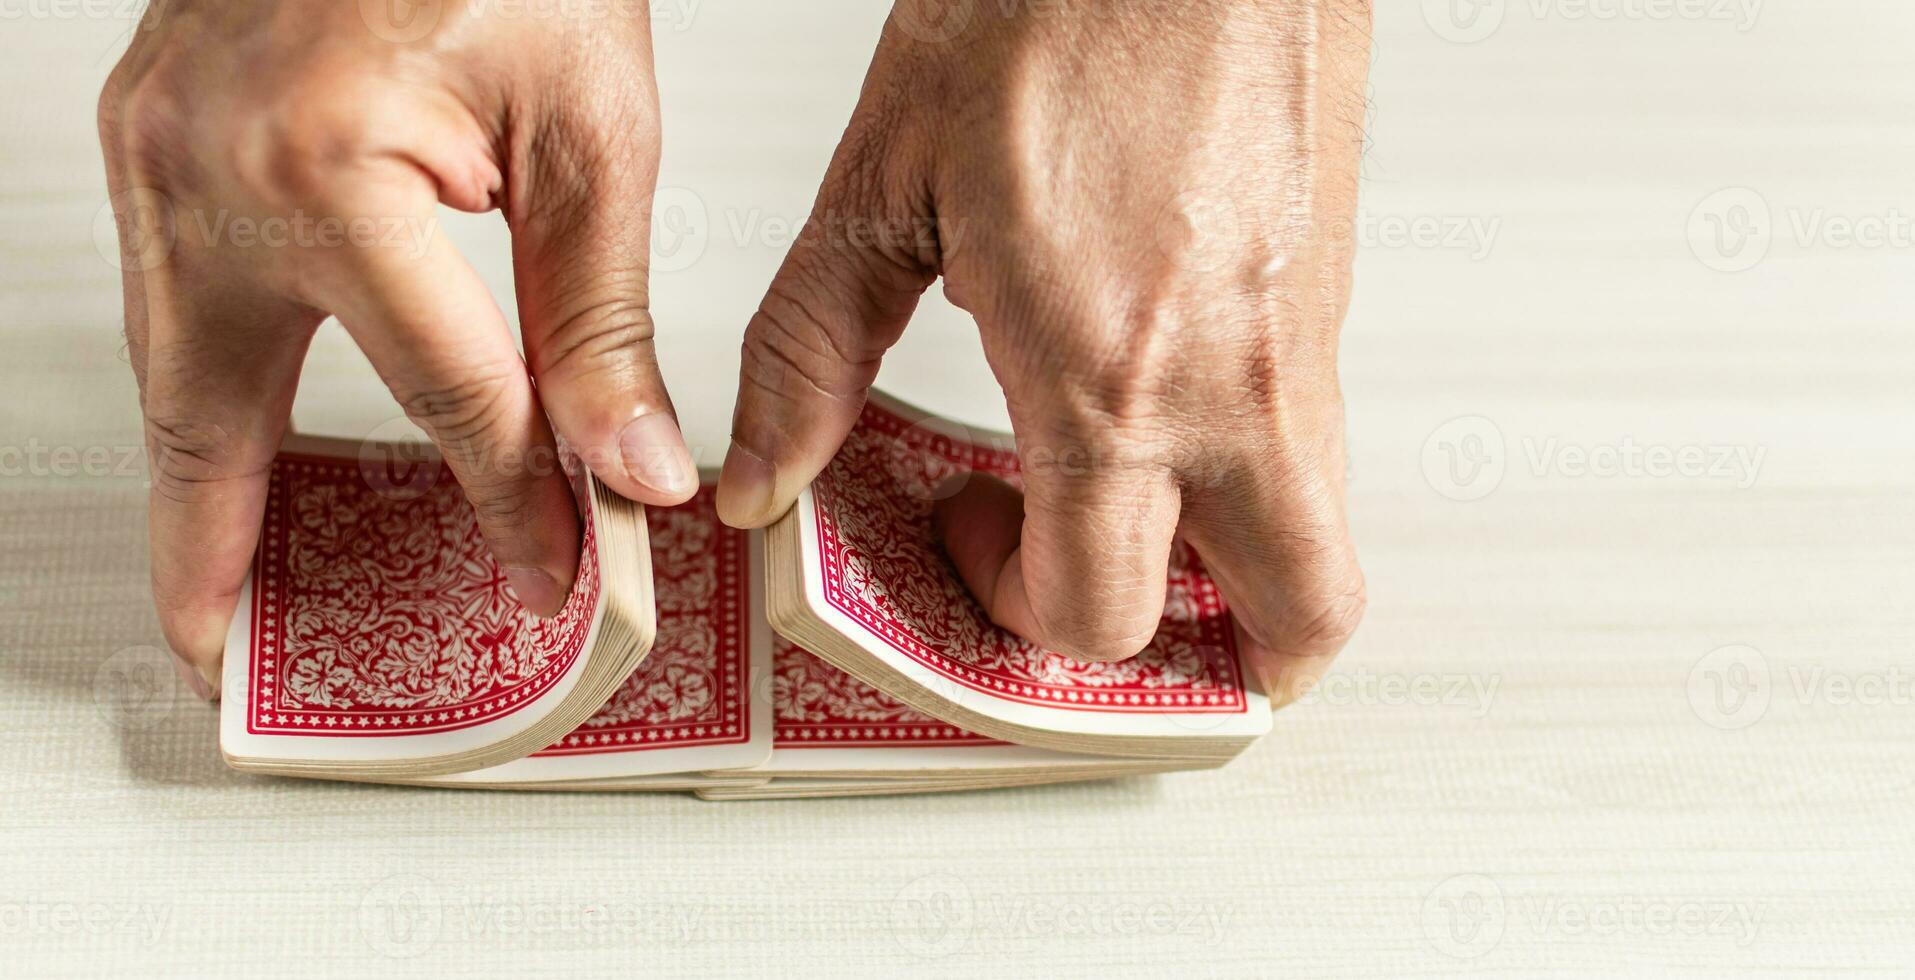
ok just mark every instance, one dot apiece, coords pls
pixel 200 683
pixel 746 488
pixel 654 454
pixel 535 589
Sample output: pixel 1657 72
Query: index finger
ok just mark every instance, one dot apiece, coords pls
pixel 430 327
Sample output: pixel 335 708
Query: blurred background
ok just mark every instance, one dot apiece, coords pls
pixel 1629 382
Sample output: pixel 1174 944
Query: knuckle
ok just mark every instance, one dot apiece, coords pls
pixel 580 152
pixel 595 333
pixel 147 120
pixel 1088 630
pixel 1081 459
pixel 789 350
pixel 504 507
pixel 294 142
pixel 1324 619
pixel 460 415
pixel 189 455
pixel 110 109
pixel 1105 649
pixel 867 155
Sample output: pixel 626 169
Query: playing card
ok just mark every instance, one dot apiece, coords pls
pixel 700 700
pixel 874 573
pixel 377 627
pixel 828 722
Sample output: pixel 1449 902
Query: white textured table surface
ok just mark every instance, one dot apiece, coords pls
pixel 1536 758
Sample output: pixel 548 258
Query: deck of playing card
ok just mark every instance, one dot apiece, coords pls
pixel 835 654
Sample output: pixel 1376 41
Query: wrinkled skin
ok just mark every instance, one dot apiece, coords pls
pixel 296 109
pixel 1146 207
pixel 1144 204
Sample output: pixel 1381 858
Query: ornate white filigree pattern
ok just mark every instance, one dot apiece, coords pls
pixel 381 613
pixel 692 689
pixel 816 704
pixel 881 565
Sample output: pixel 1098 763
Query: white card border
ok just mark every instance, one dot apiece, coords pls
pixel 1253 721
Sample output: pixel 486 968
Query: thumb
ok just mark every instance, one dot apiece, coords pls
pixel 582 268
pixel 839 301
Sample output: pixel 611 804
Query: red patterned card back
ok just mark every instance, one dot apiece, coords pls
pixel 881 566
pixel 695 687
pixel 379 610
pixel 819 706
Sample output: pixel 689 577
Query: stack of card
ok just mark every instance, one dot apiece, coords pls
pixel 836 654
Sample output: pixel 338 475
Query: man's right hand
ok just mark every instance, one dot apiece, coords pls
pixel 276 161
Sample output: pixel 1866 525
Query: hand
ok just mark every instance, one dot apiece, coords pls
pixel 1145 205
pixel 275 161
